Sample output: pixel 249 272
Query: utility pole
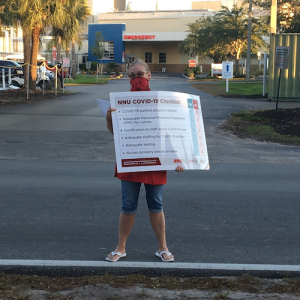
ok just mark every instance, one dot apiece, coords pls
pixel 273 28
pixel 249 42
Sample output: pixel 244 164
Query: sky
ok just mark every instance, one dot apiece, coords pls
pixel 104 6
pixel 162 4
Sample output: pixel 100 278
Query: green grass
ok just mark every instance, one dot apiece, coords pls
pixel 87 79
pixel 248 116
pixel 234 88
pixel 268 132
pixel 244 88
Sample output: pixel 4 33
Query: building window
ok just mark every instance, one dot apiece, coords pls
pixel 148 57
pixel 84 59
pixel 162 58
pixel 108 50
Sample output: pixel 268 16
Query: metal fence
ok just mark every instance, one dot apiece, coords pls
pixel 290 77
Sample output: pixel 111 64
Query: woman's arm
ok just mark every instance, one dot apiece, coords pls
pixel 109 119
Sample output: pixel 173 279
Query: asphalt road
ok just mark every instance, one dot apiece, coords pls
pixel 59 200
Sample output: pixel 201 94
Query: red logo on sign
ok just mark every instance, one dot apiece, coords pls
pixel 192 63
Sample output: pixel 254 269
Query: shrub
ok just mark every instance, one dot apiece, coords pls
pixel 196 70
pixel 188 71
pixel 112 67
pixel 82 67
pixel 239 76
pixel 94 66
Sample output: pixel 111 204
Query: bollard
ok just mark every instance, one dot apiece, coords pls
pixel 28 67
pixel 44 79
pixel 56 80
pixel 63 80
pixel 67 78
pixel 9 76
pixel 3 78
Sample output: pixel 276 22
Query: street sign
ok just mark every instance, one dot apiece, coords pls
pixel 192 63
pixel 281 62
pixel 281 57
pixel 227 70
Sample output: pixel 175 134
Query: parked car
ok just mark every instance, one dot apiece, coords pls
pixel 16 69
pixel 44 77
pixel 41 81
pixel 49 73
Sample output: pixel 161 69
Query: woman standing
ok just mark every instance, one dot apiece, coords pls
pixel 139 75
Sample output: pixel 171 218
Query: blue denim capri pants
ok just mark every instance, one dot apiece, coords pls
pixel 130 197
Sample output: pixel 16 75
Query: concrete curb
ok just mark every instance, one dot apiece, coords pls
pixel 121 268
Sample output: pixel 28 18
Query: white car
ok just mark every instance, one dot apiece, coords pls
pixel 40 81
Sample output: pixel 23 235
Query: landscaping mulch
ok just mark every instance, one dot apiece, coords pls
pixel 284 121
pixel 15 97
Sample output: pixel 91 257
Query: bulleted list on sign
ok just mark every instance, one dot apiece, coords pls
pixel 159 128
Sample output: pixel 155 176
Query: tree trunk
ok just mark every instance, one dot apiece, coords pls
pixel 73 61
pixel 58 48
pixel 27 53
pixel 237 70
pixel 34 53
pixel 68 51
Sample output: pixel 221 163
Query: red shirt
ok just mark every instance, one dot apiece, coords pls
pixel 148 177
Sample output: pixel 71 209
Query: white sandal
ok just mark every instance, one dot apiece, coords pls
pixel 113 254
pixel 160 255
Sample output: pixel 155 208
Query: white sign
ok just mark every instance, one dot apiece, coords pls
pixel 282 57
pixel 66 62
pixel 216 69
pixel 227 70
pixel 158 131
pixel 88 65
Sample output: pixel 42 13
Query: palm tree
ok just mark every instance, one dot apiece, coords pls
pixel 69 32
pixel 9 15
pixel 36 16
pixel 57 33
pixel 81 12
